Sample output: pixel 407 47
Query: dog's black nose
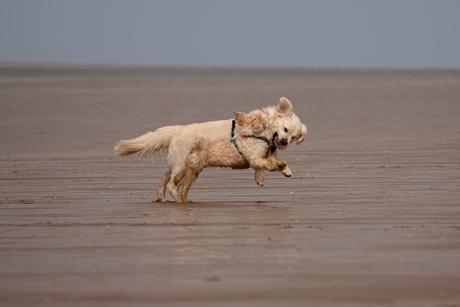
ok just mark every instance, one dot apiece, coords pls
pixel 283 142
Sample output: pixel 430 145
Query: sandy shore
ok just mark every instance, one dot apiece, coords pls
pixel 370 216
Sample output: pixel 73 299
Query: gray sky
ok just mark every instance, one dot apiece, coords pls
pixel 323 33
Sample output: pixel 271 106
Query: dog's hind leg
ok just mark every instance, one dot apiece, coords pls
pixel 186 177
pixel 178 178
pixel 173 189
pixel 189 178
pixel 162 187
pixel 185 188
pixel 178 181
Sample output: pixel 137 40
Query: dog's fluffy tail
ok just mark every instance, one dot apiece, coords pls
pixel 149 144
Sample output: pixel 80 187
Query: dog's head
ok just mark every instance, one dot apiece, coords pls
pixel 286 126
pixel 254 123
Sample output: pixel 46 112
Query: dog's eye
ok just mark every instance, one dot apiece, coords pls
pixel 293 137
pixel 285 129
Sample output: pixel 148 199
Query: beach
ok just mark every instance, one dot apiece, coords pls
pixel 370 216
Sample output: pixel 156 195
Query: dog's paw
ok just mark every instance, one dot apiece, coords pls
pixel 287 171
pixel 259 176
pixel 260 183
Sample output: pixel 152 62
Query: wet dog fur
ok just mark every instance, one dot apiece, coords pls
pixel 251 148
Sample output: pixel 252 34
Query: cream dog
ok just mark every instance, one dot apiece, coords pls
pixel 177 141
pixel 251 148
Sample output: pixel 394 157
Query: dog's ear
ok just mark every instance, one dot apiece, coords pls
pixel 254 123
pixel 258 124
pixel 302 137
pixel 239 118
pixel 284 108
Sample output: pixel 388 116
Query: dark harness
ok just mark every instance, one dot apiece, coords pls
pixel 271 148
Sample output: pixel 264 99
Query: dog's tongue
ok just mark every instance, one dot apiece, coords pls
pixel 275 140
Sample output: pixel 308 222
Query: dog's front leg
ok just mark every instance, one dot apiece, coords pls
pixel 259 176
pixel 268 164
pixel 287 171
pixel 281 165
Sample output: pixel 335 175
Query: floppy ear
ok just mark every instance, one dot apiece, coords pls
pixel 302 137
pixel 253 123
pixel 257 123
pixel 284 108
pixel 239 118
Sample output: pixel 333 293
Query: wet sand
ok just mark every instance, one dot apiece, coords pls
pixel 370 216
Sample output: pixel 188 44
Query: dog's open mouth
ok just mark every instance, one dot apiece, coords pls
pixel 275 140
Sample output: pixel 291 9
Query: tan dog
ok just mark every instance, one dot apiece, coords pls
pixel 177 142
pixel 251 148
